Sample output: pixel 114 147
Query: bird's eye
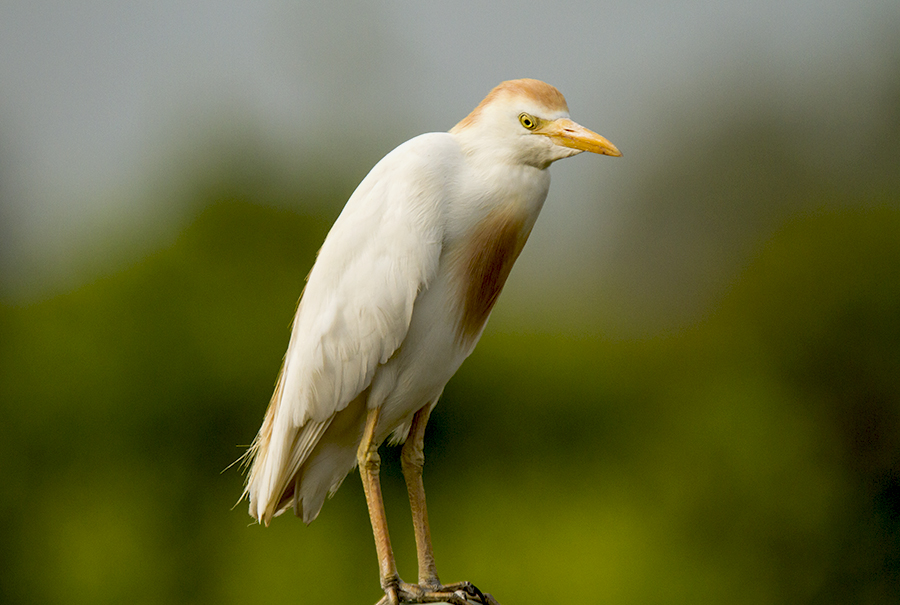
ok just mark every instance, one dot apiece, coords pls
pixel 527 121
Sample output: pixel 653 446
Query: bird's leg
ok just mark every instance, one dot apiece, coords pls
pixel 369 465
pixel 396 591
pixel 412 459
pixel 430 588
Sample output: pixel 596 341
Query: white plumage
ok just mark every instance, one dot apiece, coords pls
pixel 401 290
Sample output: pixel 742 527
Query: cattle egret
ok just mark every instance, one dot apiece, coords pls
pixel 398 297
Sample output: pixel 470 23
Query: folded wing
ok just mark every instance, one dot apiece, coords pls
pixel 383 250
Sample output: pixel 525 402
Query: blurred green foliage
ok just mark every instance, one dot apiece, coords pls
pixel 751 458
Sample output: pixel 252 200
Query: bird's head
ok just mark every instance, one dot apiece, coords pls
pixel 528 121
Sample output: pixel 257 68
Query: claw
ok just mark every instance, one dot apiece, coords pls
pixel 470 590
pixel 461 593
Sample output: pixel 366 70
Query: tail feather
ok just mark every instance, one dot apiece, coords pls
pixel 276 456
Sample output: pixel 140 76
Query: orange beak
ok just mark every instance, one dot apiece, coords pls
pixel 567 133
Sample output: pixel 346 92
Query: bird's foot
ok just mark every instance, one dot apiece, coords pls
pixel 461 593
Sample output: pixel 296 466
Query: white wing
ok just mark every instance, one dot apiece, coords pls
pixel 355 311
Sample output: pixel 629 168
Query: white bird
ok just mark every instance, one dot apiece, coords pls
pixel 398 297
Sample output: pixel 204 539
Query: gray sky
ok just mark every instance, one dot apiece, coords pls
pixel 95 95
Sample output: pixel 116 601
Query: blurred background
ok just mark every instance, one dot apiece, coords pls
pixel 688 393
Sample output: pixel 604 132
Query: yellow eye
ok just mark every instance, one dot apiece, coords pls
pixel 527 121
